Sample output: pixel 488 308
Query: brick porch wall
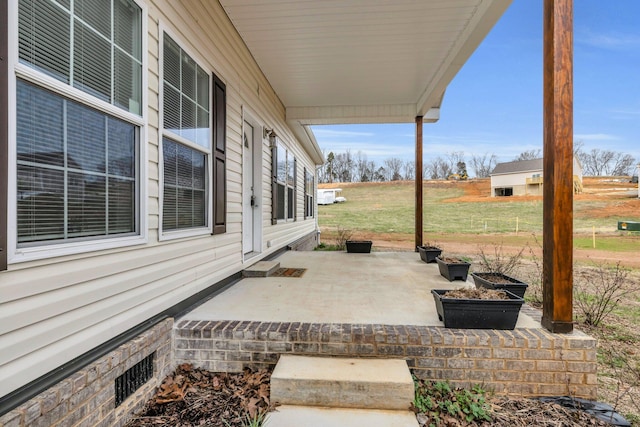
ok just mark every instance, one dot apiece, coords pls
pixel 87 398
pixel 523 362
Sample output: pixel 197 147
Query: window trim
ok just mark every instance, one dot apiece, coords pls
pixel 277 142
pixel 21 71
pixel 163 133
pixel 308 214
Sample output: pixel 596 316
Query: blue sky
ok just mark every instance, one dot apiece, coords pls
pixel 494 104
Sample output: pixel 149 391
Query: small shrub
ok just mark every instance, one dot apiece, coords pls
pixel 534 276
pixel 500 262
pixel 439 404
pixel 342 236
pixel 598 291
pixel 259 419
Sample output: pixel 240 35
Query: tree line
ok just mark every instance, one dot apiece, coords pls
pixel 356 167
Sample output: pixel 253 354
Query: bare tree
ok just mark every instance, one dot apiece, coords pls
pixel 482 166
pixel 343 165
pixel 453 159
pixel 393 166
pixel 438 168
pixel 622 164
pixel 528 155
pixel 606 162
pixel 409 170
pixel 364 169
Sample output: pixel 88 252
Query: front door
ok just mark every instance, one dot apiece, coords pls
pixel 248 190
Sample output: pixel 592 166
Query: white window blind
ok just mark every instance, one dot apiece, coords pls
pixel 186 144
pixel 76 169
pixel 93 45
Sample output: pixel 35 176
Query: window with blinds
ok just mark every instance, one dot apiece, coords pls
pixel 285 178
pixel 308 193
pixel 186 142
pixel 77 167
pixel 92 45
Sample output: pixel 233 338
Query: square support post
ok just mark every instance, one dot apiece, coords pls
pixel 418 169
pixel 557 312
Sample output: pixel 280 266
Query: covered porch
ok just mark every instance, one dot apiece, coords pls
pixel 378 305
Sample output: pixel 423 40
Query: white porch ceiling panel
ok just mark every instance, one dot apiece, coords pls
pixel 362 61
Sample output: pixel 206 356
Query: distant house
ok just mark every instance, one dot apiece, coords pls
pixel 525 177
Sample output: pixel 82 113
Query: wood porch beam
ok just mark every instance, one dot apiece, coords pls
pixel 557 312
pixel 418 168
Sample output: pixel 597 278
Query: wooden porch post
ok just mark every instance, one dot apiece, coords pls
pixel 419 229
pixel 557 313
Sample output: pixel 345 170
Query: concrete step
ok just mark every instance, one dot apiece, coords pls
pixel 261 269
pixel 315 416
pixel 342 383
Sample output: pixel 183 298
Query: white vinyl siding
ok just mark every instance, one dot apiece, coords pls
pixel 54 309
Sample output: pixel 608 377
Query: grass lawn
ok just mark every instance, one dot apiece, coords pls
pixel 389 208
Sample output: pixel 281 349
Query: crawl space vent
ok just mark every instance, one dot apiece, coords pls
pixel 134 378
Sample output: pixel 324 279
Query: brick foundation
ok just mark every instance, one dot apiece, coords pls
pixel 523 362
pixel 87 397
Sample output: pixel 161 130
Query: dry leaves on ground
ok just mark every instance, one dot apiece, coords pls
pixel 195 397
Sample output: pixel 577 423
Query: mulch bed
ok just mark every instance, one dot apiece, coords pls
pixel 194 397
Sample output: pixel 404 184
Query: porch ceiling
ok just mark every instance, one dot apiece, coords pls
pixel 361 61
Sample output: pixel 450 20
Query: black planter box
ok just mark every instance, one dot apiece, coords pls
pixel 429 253
pixel 453 271
pixel 477 313
pixel 506 283
pixel 359 246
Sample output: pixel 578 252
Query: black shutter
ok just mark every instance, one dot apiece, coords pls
pixel 4 131
pixel 219 185
pixel 274 180
pixel 295 189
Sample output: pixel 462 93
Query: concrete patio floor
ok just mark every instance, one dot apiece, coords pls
pixel 392 288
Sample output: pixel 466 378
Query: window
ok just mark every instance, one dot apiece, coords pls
pixel 284 187
pixel 186 142
pixel 92 45
pixel 308 193
pixel 77 162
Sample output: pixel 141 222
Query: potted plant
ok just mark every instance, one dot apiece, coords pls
pixel 429 252
pixel 495 271
pixel 453 268
pixel 470 308
pixel 359 246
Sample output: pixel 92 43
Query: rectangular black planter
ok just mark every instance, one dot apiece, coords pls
pixel 505 283
pixel 453 270
pixel 429 253
pixel 359 246
pixel 477 313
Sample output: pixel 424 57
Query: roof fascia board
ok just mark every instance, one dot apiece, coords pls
pixel 304 134
pixel 489 12
pixel 358 114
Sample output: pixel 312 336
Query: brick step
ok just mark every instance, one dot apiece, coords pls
pixel 308 416
pixel 342 382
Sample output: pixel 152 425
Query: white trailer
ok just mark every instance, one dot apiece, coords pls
pixel 328 196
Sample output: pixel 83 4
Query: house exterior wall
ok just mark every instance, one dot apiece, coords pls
pixel 54 309
pixel 517 181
